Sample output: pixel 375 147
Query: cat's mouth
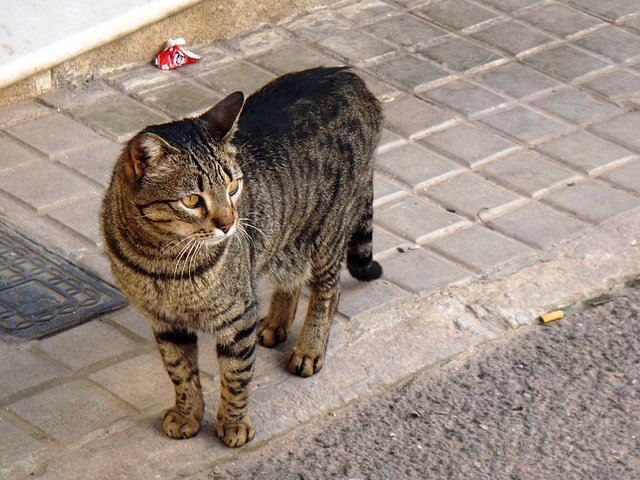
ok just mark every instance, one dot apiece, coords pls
pixel 216 235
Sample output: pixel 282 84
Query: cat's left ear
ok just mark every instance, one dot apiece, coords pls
pixel 222 118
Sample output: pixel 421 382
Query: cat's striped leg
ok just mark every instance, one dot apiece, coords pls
pixel 179 350
pixel 236 355
pixel 274 328
pixel 307 357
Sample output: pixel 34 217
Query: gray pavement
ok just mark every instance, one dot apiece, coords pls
pixel 507 183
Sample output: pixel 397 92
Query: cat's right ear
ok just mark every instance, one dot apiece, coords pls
pixel 144 152
pixel 222 118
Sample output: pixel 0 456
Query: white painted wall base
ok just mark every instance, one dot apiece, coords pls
pixel 36 35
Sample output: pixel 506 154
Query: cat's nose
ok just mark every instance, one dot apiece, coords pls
pixel 225 228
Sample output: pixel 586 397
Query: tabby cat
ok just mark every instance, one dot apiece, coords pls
pixel 198 209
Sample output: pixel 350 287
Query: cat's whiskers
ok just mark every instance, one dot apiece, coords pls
pixel 174 244
pixel 184 250
pixel 244 222
pixel 198 244
pixel 245 235
pixel 194 245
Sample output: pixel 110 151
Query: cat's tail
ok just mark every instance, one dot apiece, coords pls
pixel 360 260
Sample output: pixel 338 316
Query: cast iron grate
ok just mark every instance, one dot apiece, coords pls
pixel 42 294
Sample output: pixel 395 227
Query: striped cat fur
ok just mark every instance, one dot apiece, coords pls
pixel 197 210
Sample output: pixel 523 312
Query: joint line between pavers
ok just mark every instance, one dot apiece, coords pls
pixel 30 429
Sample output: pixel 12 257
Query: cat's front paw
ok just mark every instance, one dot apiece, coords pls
pixel 305 365
pixel 178 426
pixel 270 334
pixel 234 434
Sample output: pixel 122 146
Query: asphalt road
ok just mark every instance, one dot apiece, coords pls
pixel 559 401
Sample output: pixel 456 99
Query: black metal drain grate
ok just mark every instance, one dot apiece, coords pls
pixel 42 294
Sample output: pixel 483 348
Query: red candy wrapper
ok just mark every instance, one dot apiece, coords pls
pixel 172 56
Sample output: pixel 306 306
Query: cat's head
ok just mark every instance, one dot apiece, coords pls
pixel 183 176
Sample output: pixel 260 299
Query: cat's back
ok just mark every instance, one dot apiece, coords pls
pixel 308 102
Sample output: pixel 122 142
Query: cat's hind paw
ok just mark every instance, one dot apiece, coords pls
pixel 234 434
pixel 305 365
pixel 178 426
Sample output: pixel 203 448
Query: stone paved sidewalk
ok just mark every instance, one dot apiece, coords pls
pixel 511 140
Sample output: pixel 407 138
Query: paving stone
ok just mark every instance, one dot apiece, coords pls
pixel 72 98
pixel 612 42
pixel 293 57
pixel 479 248
pixel 15 445
pixel 85 345
pixel 412 117
pixel 180 99
pixel 473 196
pixel 576 106
pixel 524 124
pixel 416 166
pixel 460 55
pixel 95 161
pixel 257 41
pixel 14 154
pixel 517 80
pixel 40 228
pixel 236 76
pixel 143 78
pixel 54 134
pixel 385 190
pixel 211 56
pixel 43 185
pixel 611 9
pixel 385 242
pixel 131 319
pixel 68 411
pixel 586 152
pixel 634 24
pixel 560 20
pixel 457 14
pixel 565 62
pixel 21 369
pixel 418 220
pixel 465 97
pixel 624 128
pixel 512 37
pixel 389 140
pixel 381 89
pixel 366 11
pixel 627 176
pixel 98 264
pixel 141 381
pixel 121 116
pixel 359 298
pixel 510 6
pixel 537 225
pixel 618 85
pixel 318 25
pixel 528 173
pixel 471 145
pixel 22 112
pixel 593 201
pixel 409 71
pixel 356 46
pixel 82 217
pixel 420 271
pixel 407 30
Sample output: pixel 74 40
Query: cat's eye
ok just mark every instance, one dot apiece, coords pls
pixel 191 201
pixel 234 186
